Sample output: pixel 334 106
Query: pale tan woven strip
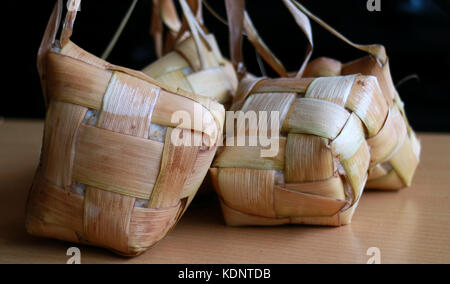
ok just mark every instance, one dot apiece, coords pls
pixel 176 165
pixel 388 181
pixel 166 64
pixel 72 50
pixel 368 103
pixel 198 172
pixel 248 190
pixel 332 89
pixel 148 226
pixel 102 162
pixel 188 50
pixel 62 124
pixel 318 117
pixel 390 138
pixel 308 158
pixel 177 76
pixel 331 188
pixel 289 203
pixel 237 218
pixel 405 162
pixel 55 206
pixel 284 85
pixel 369 65
pixel 128 106
pixel 350 138
pixel 107 218
pixel 76 82
pixel 39 228
pixel 250 157
pixel 211 83
pixel 270 102
pixel 356 168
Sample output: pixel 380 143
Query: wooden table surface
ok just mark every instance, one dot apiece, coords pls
pixel 410 226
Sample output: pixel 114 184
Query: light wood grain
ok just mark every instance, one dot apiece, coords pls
pixel 410 226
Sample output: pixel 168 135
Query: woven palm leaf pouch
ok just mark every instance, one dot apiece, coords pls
pixel 191 58
pixel 323 161
pixel 395 150
pixel 110 174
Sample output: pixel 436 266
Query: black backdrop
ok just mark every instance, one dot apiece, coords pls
pixel 416 34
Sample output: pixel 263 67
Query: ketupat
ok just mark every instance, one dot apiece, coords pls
pixel 322 166
pixel 109 174
pixel 395 151
pixel 193 61
pixel 258 191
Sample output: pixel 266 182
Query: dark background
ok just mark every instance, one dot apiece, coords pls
pixel 416 34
